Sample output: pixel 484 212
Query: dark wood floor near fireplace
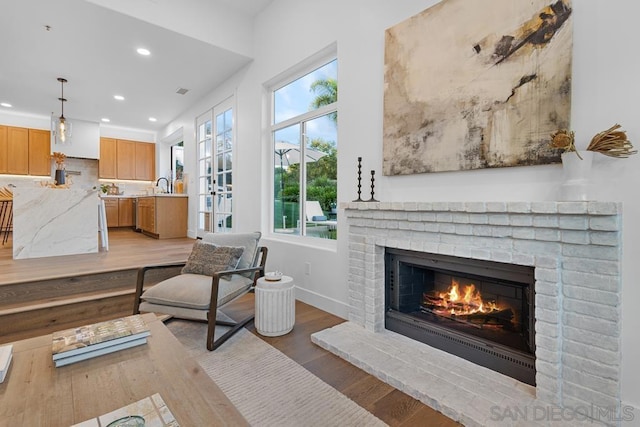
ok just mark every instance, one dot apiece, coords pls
pixel 385 402
pixel 390 405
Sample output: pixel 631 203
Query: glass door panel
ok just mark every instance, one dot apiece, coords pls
pixel 205 188
pixel 223 184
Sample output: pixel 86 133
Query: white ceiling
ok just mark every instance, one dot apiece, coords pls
pixel 94 48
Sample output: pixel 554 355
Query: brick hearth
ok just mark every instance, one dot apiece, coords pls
pixel 575 248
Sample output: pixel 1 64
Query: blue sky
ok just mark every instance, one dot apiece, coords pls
pixel 295 99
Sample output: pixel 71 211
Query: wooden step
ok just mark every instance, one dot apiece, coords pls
pixel 57 291
pixel 26 324
pixel 59 302
pixel 49 305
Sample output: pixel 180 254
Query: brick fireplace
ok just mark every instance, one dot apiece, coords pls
pixel 575 250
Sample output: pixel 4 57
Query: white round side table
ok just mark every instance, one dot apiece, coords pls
pixel 275 306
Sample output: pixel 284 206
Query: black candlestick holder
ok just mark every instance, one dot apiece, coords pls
pixel 373 179
pixel 359 180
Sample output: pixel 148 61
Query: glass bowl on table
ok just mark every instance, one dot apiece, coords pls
pixel 273 276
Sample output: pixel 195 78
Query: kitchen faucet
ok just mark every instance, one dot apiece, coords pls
pixel 158 182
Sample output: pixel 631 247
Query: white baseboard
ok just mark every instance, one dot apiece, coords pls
pixel 330 305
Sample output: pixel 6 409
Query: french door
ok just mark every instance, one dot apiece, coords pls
pixel 223 161
pixel 215 140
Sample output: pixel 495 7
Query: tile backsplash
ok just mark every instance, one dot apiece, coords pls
pixel 81 173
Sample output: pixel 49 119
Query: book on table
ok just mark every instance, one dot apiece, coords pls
pixel 84 342
pixel 6 354
pixel 150 411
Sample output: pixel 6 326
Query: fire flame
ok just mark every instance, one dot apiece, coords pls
pixel 469 301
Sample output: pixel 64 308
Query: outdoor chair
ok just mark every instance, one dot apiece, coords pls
pixel 220 268
pixel 315 216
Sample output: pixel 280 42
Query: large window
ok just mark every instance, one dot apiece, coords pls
pixel 305 146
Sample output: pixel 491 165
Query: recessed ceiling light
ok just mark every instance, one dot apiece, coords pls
pixel 144 52
pixel 106 120
pixel 6 104
pixel 153 119
pixel 118 97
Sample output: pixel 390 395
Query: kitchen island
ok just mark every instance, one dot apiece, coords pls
pixel 163 216
pixel 54 221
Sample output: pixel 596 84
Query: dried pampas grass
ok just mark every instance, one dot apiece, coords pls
pixel 612 142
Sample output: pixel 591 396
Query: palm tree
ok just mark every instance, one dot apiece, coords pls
pixel 322 174
pixel 327 93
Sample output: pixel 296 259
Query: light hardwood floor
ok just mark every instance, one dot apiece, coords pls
pixel 131 250
pixel 127 249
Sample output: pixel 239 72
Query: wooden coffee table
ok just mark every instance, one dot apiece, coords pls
pixel 35 393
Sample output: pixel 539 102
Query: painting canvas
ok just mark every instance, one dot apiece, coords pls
pixel 476 84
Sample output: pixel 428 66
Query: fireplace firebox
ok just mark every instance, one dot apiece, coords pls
pixel 482 311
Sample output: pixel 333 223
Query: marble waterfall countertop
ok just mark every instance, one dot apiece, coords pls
pixel 54 221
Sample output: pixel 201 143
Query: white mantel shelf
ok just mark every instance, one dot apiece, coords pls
pixel 542 207
pixel 54 221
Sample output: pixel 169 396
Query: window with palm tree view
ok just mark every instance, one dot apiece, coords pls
pixel 305 154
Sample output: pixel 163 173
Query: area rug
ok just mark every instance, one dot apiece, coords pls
pixel 267 387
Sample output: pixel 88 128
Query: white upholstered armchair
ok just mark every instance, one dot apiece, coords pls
pixel 221 267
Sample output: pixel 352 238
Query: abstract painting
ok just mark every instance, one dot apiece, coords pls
pixel 476 84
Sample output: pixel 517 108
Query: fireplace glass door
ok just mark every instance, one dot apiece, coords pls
pixel 479 310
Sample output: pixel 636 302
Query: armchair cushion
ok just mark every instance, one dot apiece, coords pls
pixel 194 291
pixel 318 218
pixel 249 241
pixel 206 258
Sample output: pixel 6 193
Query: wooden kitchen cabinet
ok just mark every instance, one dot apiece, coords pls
pixel 39 152
pixel 107 162
pixel 25 151
pixel 145 161
pixel 4 145
pixel 125 159
pixel 125 212
pixel 17 150
pixel 163 217
pixel 111 210
pixel 119 211
pixel 146 214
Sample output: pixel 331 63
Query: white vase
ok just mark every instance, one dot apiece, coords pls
pixel 576 173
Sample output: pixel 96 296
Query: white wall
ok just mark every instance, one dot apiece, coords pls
pixel 604 92
pixel 108 131
pixel 25 120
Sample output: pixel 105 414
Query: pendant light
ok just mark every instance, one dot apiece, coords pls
pixel 62 128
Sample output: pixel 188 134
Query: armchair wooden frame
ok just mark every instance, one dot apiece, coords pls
pixel 258 271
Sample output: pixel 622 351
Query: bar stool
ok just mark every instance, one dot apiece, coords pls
pixel 6 219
